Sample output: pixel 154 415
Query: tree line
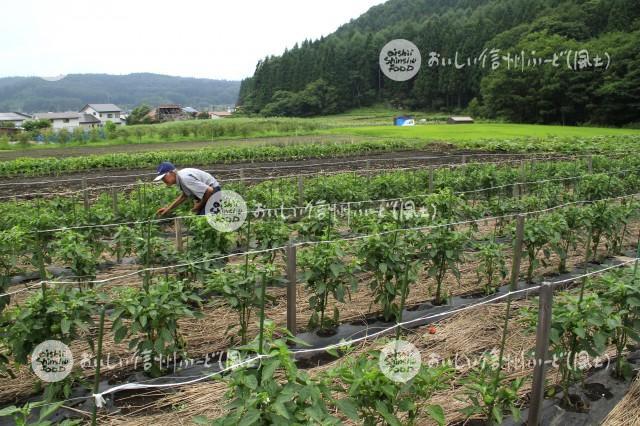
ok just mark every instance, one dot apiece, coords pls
pixel 341 71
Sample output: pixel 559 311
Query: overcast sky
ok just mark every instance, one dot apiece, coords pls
pixel 190 38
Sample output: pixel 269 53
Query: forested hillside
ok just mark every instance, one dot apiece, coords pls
pixel 33 94
pixel 341 71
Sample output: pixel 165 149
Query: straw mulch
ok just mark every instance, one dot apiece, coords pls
pixel 627 412
pixel 467 334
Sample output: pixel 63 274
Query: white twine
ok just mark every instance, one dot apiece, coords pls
pixel 141 385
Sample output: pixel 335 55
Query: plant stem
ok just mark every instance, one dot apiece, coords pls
pixel 96 380
pixel 262 297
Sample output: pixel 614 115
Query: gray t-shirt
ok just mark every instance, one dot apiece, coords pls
pixel 194 182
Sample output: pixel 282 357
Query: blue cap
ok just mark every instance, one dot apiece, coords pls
pixel 164 168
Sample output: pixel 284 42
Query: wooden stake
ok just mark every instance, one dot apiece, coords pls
pixel 430 179
pixel 179 242
pixel 590 164
pixel 291 288
pixel 300 191
pixel 523 179
pixel 114 201
pixel 542 348
pixel 517 251
pixel 85 195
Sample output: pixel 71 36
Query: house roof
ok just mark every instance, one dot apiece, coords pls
pixel 220 113
pixel 13 116
pixel 190 110
pixel 88 118
pixel 461 118
pixel 57 115
pixel 103 107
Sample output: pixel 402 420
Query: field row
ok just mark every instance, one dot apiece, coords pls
pixel 294 151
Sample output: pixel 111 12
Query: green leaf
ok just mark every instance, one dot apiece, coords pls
pixel 251 382
pixel 496 413
pixel 348 408
pixel 120 334
pixel 65 325
pixel 9 411
pixel 202 420
pixel 251 417
pixel 269 369
pixel 388 417
pixel 48 410
pixel 437 414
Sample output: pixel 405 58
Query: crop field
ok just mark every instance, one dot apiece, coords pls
pixel 473 132
pixel 171 321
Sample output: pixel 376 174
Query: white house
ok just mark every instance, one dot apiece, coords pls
pixel 104 112
pixel 17 118
pixel 68 120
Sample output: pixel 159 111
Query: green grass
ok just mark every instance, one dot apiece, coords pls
pixel 479 131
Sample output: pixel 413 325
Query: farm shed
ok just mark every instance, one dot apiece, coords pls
pixel 168 112
pixel 460 120
pixel 404 120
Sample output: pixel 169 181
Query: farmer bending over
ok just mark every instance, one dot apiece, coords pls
pixel 193 183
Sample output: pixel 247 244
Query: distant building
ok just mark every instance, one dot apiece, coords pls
pixel 404 120
pixel 103 112
pixel 68 120
pixel 219 114
pixel 17 118
pixel 168 113
pixel 460 120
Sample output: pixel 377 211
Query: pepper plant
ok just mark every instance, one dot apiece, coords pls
pixel 577 324
pixel 443 251
pixel 540 233
pixel 373 398
pixel 621 290
pixel 241 288
pixel 149 318
pixel 64 314
pixel 124 242
pixel 492 265
pixel 317 224
pixel 390 257
pixel 599 186
pixel 22 415
pixel 75 250
pixel 571 221
pixel 270 234
pixel 602 219
pixel 207 241
pixel 616 233
pixel 13 243
pixel 275 392
pixel 326 274
pixel 490 393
